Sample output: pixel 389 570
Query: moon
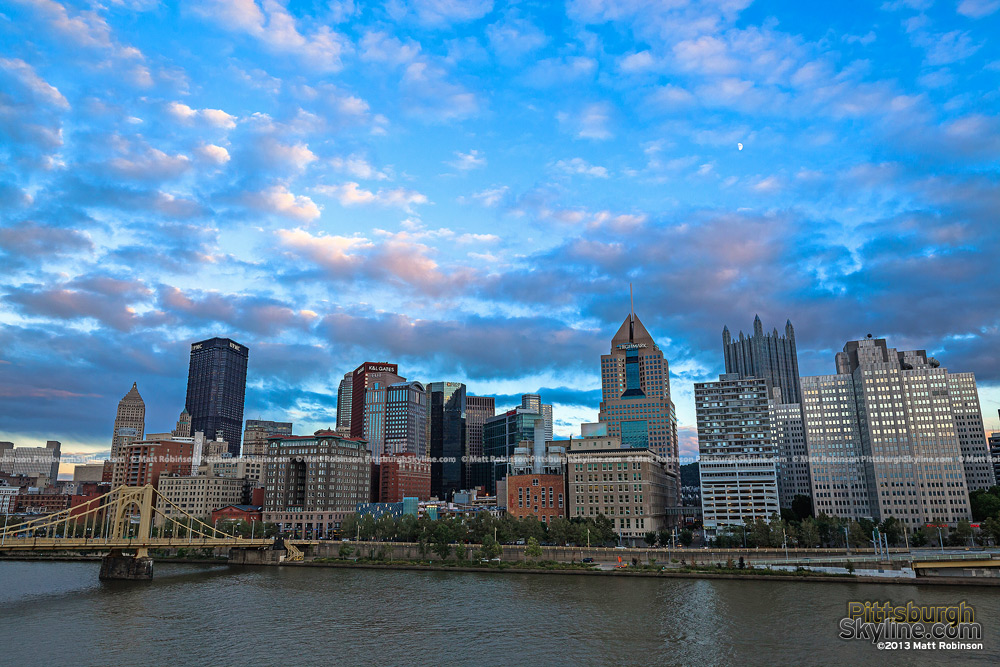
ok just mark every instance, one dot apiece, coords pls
pixel 740 146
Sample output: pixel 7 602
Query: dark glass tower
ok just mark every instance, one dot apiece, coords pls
pixel 767 356
pixel 217 382
pixel 447 436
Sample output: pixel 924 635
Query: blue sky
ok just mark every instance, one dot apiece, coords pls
pixel 468 188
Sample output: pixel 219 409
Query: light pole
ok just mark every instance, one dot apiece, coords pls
pixel 784 541
pixel 847 540
pixel 940 541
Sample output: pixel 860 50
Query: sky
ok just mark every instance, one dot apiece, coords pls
pixel 468 188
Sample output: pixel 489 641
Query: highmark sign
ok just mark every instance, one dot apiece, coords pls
pixel 631 346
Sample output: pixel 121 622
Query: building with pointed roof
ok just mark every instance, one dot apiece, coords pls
pixel 636 404
pixel 130 422
pixel 767 356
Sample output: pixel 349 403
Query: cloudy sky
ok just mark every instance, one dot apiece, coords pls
pixel 467 188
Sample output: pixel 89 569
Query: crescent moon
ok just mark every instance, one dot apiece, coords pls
pixel 740 146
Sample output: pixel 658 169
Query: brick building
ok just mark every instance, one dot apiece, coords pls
pixel 404 476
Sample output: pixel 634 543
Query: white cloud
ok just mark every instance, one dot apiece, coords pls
pixel 153 164
pixel 351 194
pixel 359 167
pixel 214 117
pixel 637 62
pixel 591 122
pixel 514 37
pixel 977 9
pixel 213 153
pixel 580 166
pixel 38 86
pixel 466 161
pixel 443 12
pixel 278 199
pixel 381 47
pixel 492 196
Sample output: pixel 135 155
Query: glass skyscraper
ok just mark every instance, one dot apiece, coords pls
pixel 217 382
pixel 447 437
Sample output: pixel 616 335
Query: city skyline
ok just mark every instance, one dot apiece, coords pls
pixel 467 189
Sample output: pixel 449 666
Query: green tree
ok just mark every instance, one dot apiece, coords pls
pixel 367 527
pixel 491 548
pixel 802 506
pixel 686 537
pixel 758 533
pixel 985 503
pixel 650 538
pixel 532 549
pixel 919 537
pixel 860 538
pixel 561 531
pixel 991 529
pixel 664 537
pixel 605 529
pixel 893 530
pixel 809 533
pixel 407 528
pixel 385 527
pixel 960 536
pixel 349 526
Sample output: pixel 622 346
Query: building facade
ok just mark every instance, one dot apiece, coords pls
pixel 368 375
pixel 256 433
pixel 406 420
pixel 788 433
pixel 344 404
pixel 447 437
pixel 404 475
pixel 478 409
pixel 632 486
pixel 501 436
pixel 767 356
pixel 145 461
pixel 738 455
pixel 32 461
pixel 965 410
pixel 635 390
pixel 314 481
pixel 88 472
pixel 130 421
pixel 216 389
pixel 197 495
pixel 539 496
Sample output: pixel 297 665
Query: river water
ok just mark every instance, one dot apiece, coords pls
pixel 59 613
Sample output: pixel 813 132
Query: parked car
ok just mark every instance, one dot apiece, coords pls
pixel 588 560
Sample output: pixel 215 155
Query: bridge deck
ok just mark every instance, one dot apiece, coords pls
pixel 97 544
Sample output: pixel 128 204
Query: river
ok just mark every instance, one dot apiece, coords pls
pixel 59 613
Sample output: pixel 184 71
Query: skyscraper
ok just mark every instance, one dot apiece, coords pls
pixel 130 422
pixel 217 381
pixel 406 408
pixel 501 436
pixel 738 464
pixel 367 375
pixel 183 428
pixel 904 425
pixel 767 356
pixel 534 403
pixel 345 404
pixel 635 391
pixel 256 434
pixel 447 436
pixel 478 409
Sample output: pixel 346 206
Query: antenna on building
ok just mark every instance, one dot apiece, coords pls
pixel 631 313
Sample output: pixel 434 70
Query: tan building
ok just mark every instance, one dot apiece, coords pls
pixel 314 481
pixel 629 486
pixel 130 422
pixel 256 433
pixel 198 495
pixel 88 472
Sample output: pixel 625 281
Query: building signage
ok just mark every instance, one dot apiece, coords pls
pixel 631 346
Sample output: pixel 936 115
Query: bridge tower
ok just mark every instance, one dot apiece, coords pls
pixel 128 501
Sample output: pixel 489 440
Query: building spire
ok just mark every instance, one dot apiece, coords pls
pixel 631 314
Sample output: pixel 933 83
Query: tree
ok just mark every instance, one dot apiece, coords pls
pixel 533 549
pixel 407 528
pixel 349 526
pixel 985 503
pixel 860 538
pixel 367 527
pixel 385 527
pixel 665 536
pixel 561 531
pixel 809 533
pixel 605 529
pixel 758 533
pixel 991 529
pixel 650 538
pixel 687 536
pixel 802 506
pixel 960 536
pixel 491 548
pixel 919 537
pixel 893 530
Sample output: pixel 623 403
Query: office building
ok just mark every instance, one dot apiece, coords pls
pixel 89 472
pixel 738 454
pixel 313 481
pixel 145 461
pixel 767 356
pixel 833 443
pixel 197 495
pixel 368 375
pixel 478 409
pixel 32 461
pixel 374 434
pixel 635 396
pixel 183 428
pixel 970 431
pixel 634 487
pixel 447 437
pixel 904 425
pixel 344 404
pixel 536 478
pixel 404 475
pixel 256 433
pixel 406 420
pixel 994 447
pixel 130 422
pixel 534 403
pixel 501 436
pixel 788 433
pixel 217 381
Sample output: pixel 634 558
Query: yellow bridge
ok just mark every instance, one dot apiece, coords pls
pixel 121 522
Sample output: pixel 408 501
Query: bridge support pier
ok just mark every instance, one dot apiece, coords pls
pixel 118 567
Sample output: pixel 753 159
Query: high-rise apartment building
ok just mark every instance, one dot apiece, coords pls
pixel 217 382
pixel 406 420
pixel 314 481
pixel 767 356
pixel 907 411
pixel 130 422
pixel 256 433
pixel 447 436
pixel 635 396
pixel 738 453
pixel 478 409
pixel 345 404
pixel 368 375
